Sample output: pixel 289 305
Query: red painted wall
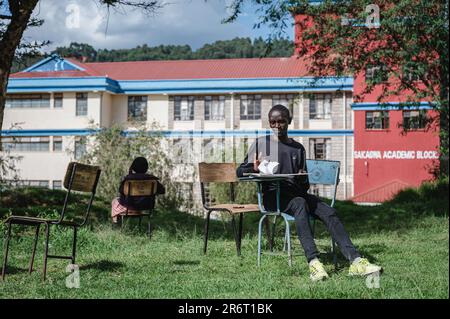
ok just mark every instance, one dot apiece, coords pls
pixel 375 179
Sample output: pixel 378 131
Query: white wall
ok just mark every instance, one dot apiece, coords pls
pixel 214 125
pixel 119 109
pixel 320 124
pixel 158 110
pixel 106 116
pixel 54 118
pixel 250 124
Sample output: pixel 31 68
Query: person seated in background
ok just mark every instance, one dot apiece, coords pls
pixel 294 199
pixel 138 171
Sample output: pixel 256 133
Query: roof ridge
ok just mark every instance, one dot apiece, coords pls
pixel 195 60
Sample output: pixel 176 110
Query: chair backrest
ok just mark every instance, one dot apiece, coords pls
pixel 319 172
pixel 324 172
pixel 140 187
pixel 82 178
pixel 217 172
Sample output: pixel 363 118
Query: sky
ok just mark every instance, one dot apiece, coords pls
pixel 180 22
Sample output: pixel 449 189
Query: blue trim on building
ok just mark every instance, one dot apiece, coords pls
pixel 56 132
pixel 174 133
pixel 252 85
pixel 391 106
pixel 27 85
pixel 236 85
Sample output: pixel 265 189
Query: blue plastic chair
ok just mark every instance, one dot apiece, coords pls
pixel 320 172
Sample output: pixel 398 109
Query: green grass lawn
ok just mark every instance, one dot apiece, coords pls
pixel 407 236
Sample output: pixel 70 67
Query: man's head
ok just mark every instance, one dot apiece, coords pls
pixel 279 120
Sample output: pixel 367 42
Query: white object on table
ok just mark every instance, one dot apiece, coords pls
pixel 267 167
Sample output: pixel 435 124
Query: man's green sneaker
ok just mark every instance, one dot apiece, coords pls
pixel 317 272
pixel 362 267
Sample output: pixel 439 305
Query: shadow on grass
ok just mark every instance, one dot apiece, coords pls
pixel 103 265
pixel 12 270
pixel 400 214
pixel 186 262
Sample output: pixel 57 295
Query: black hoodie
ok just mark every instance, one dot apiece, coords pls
pixel 292 160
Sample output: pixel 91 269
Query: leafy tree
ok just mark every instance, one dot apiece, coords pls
pixel 340 37
pixel 81 51
pixel 16 17
pixel 125 148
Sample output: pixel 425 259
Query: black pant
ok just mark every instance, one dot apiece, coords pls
pixel 309 205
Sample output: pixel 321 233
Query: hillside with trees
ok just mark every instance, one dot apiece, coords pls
pixel 225 49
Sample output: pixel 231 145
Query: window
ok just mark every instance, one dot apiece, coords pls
pixel 250 107
pixel 320 148
pixel 26 144
pixel 57 100
pixel 57 184
pixel 81 104
pixel 214 108
pixel 413 120
pixel 320 106
pixel 57 144
pixel 184 108
pixel 80 149
pixel 27 101
pixel 137 108
pixel 377 73
pixel 377 120
pixel 287 100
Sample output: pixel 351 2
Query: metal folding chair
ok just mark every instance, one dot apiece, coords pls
pixel 80 178
pixel 223 173
pixel 320 172
pixel 141 188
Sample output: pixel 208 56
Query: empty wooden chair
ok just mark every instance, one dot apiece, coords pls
pixel 223 173
pixel 79 177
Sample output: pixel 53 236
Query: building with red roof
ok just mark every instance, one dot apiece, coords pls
pixel 210 106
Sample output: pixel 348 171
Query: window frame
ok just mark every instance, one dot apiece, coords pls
pixel 318 102
pixel 58 97
pixel 250 105
pixel 326 148
pixel 214 102
pixel 28 101
pixel 422 119
pixel 81 110
pixel 385 120
pixel 179 102
pixel 134 103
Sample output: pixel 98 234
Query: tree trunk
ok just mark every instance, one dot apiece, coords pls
pixel 20 16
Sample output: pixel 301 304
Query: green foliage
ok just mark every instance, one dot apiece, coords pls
pixel 228 49
pixel 114 152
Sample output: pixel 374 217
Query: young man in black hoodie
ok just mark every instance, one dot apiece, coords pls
pixel 294 198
